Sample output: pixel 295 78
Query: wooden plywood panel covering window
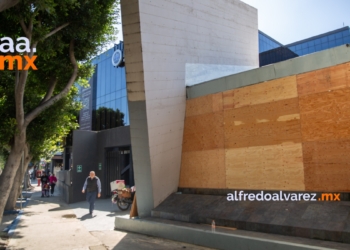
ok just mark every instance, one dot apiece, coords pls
pixel 287 134
pixel 325 116
pixel 332 78
pixel 272 167
pixel 204 105
pixel 203 169
pixel 204 132
pixel 327 165
pixel 270 91
pixel 265 124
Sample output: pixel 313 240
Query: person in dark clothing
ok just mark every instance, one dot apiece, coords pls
pixel 92 186
pixel 44 184
pixel 53 181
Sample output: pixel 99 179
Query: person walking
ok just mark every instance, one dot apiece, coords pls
pixel 53 181
pixel 44 185
pixel 92 186
pixel 38 176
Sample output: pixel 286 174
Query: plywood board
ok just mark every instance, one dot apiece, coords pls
pixel 264 124
pixel 331 78
pixel 217 102
pixel 204 105
pixel 275 90
pixel 203 169
pixel 273 167
pixel 204 132
pixel 199 106
pixel 330 183
pixel 327 165
pixel 325 116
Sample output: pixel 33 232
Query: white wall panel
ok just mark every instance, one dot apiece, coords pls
pixel 173 34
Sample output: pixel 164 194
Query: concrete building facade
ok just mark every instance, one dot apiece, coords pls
pixel 164 40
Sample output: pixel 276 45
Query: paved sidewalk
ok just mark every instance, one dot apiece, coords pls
pixel 48 223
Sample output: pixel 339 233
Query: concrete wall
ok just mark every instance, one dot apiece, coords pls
pixel 89 151
pixel 289 133
pixel 64 185
pixel 162 38
pixel 84 153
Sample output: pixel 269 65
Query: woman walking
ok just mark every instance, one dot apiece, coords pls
pixel 53 181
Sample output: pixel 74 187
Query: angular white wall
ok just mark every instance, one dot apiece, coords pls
pixel 161 38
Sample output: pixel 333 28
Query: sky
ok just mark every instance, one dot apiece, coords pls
pixel 288 21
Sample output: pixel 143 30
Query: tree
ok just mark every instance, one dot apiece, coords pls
pixel 5 4
pixel 54 124
pixel 65 34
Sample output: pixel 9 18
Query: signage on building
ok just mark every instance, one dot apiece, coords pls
pixel 85 116
pixel 79 168
pixel 117 58
pixel 100 166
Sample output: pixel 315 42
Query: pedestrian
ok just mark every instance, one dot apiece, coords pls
pixel 92 186
pixel 44 185
pixel 53 181
pixel 38 176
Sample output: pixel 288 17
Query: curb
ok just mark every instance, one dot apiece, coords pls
pixel 12 227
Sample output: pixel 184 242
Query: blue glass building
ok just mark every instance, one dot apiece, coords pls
pixel 267 43
pixel 271 53
pixel 109 94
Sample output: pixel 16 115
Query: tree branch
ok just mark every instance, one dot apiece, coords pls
pixel 19 94
pixel 50 90
pixel 37 111
pixel 5 4
pixel 55 31
pixel 24 27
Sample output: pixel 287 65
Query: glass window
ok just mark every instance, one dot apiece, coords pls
pixel 324 46
pixel 324 39
pixel 318 47
pixel 305 51
pixel 304 45
pixel 346 39
pixel 338 35
pixel 331 37
pixel 119 94
pixel 118 103
pixel 345 33
pixel 298 47
pixel 317 41
pixel 338 42
pixel 331 44
pixel 312 49
pixel 310 43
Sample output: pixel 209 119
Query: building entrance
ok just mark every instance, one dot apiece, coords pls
pixel 118 167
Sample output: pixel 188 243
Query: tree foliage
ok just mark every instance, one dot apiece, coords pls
pixel 66 35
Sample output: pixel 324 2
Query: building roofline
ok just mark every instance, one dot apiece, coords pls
pixel 295 66
pixel 270 37
pixel 318 36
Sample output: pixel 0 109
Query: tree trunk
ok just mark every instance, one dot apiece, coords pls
pixel 15 190
pixel 19 178
pixel 12 164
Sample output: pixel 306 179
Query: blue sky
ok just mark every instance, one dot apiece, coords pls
pixel 289 21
